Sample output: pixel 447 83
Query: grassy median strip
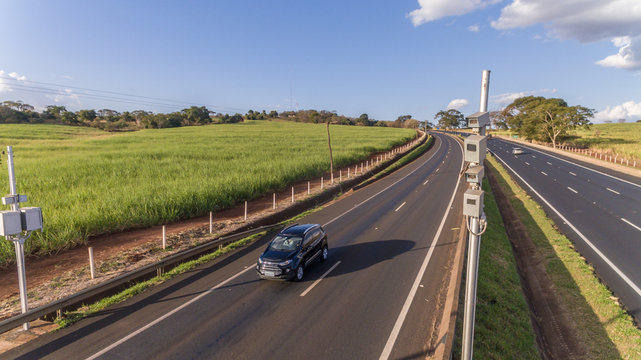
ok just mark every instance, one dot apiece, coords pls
pixel 74 316
pixel 602 325
pixel 502 327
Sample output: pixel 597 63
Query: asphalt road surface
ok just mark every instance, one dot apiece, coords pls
pixel 381 294
pixel 599 210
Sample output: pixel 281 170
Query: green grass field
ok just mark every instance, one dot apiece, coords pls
pixel 611 139
pixel 622 139
pixel 91 182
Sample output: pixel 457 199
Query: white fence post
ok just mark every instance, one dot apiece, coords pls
pixel 92 266
pixel 164 237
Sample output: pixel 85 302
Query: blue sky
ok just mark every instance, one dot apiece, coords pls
pixel 383 58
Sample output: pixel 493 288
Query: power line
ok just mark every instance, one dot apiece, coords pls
pixel 157 101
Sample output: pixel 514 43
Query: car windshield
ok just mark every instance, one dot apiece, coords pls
pixel 285 243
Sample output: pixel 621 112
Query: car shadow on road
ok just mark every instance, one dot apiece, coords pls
pixel 357 257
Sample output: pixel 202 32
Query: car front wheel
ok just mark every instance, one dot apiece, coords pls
pixel 299 273
pixel 324 254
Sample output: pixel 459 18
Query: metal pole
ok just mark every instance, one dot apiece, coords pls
pixel 19 244
pixel 470 290
pixel 485 88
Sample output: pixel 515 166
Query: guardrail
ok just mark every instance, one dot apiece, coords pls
pixel 94 293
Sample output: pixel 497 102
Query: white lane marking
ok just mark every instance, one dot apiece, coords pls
pixel 584 167
pixel 319 279
pixel 426 181
pixel 399 208
pixel 436 170
pixel 527 163
pixel 574 191
pixel 616 192
pixel 544 173
pixel 378 193
pixel 549 163
pixel 631 224
pixel 573 174
pixel 131 335
pixel 534 156
pixel 627 280
pixel 410 297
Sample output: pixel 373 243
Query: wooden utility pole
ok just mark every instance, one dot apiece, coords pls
pixel 331 159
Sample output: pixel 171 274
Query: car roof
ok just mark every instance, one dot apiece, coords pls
pixel 298 229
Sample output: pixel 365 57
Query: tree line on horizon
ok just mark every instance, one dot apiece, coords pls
pixel 18 112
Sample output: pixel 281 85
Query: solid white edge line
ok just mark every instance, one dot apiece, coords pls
pixel 387 350
pixel 616 192
pixel 131 335
pixel 571 173
pixel 588 242
pixel 574 191
pixel 399 208
pixel 378 193
pixel 631 224
pixel 319 279
pixel 581 166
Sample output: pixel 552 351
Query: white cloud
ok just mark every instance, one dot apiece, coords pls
pixel 629 55
pixel 508 98
pixel 458 104
pixel 430 10
pixel 5 83
pixel 629 110
pixel 583 20
pixel 474 28
pixel 587 21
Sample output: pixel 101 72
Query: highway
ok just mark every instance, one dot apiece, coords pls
pixel 381 294
pixel 599 210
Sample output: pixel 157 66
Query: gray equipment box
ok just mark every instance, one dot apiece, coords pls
pixel 475 174
pixel 478 120
pixel 475 148
pixel 31 218
pixel 10 223
pixel 472 203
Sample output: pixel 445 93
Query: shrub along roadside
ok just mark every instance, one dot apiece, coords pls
pixel 602 325
pixel 502 323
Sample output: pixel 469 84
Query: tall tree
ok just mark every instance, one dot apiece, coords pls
pixel 544 119
pixel 451 118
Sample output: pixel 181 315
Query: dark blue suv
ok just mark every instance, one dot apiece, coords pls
pixel 291 251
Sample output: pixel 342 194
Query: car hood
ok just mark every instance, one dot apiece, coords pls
pixel 272 255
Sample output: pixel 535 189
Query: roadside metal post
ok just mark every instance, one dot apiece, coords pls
pixel 164 237
pixel 274 202
pixel 211 222
pixel 21 223
pixel 474 153
pixel 92 267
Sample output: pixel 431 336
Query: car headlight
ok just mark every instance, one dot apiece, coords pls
pixel 285 263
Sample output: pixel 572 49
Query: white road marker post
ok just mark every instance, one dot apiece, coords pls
pixel 340 175
pixel 321 183
pixel 91 264
pixel 292 194
pixel 211 222
pixel 245 218
pixel 309 188
pixel 274 202
pixel 164 237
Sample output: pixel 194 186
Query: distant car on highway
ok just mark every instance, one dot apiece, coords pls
pixel 517 151
pixel 291 251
